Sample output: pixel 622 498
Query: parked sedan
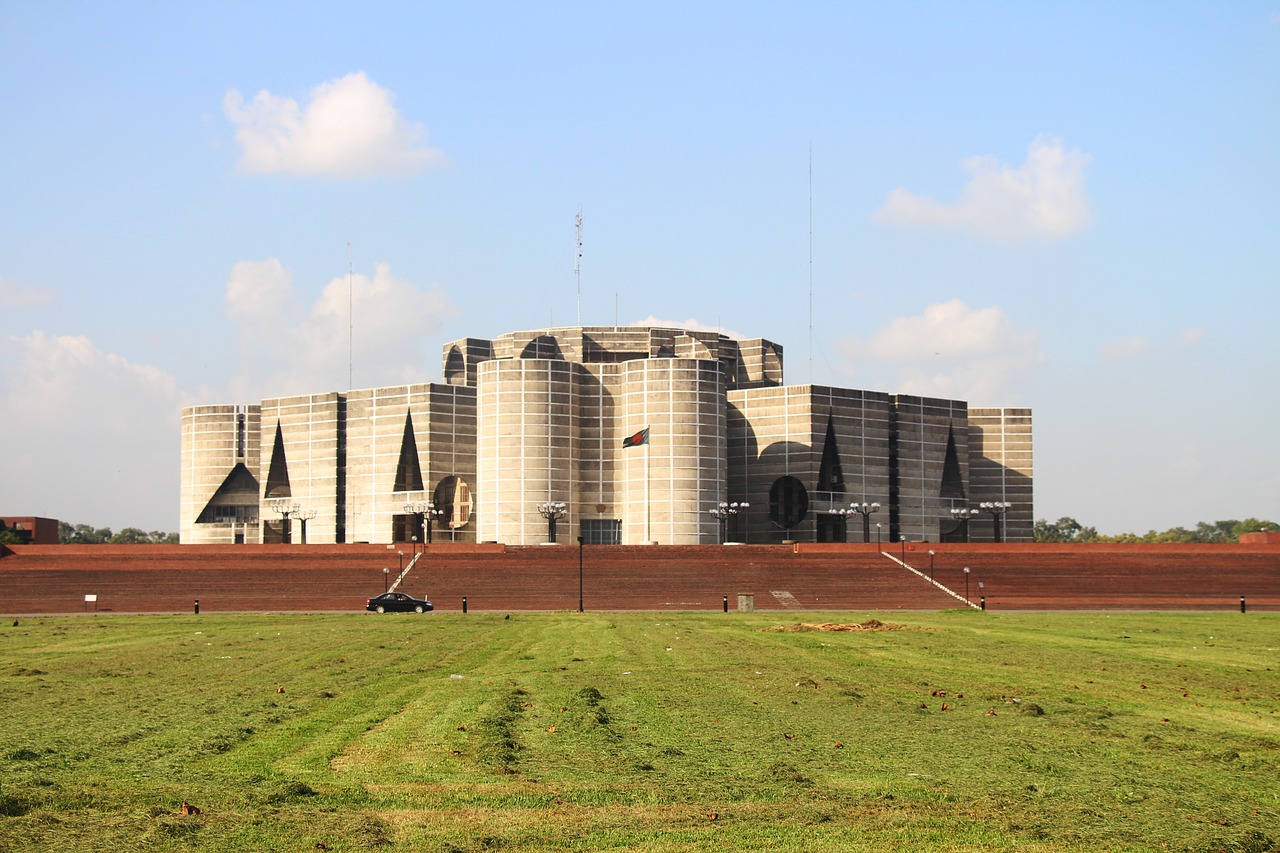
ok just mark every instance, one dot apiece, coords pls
pixel 398 602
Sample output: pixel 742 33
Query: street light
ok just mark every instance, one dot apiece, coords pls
pixel 551 511
pixel 966 585
pixel 424 512
pixel 930 564
pixel 285 508
pixel 865 510
pixel 304 515
pixel 997 510
pixel 843 513
pixel 723 511
pixel 962 515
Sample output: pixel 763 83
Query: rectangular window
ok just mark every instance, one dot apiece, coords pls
pixel 602 531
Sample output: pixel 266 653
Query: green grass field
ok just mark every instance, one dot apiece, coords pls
pixel 650 731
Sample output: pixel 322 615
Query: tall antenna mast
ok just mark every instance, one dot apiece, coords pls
pixel 577 261
pixel 351 324
pixel 810 263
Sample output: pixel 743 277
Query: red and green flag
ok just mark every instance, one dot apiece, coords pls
pixel 642 437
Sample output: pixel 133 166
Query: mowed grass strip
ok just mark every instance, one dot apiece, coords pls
pixel 657 731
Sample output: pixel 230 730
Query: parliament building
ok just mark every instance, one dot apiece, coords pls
pixel 616 434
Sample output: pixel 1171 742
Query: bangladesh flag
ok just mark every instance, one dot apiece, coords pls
pixel 642 437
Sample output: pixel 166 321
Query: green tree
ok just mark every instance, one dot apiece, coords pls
pixel 1065 529
pixel 11 537
pixel 130 536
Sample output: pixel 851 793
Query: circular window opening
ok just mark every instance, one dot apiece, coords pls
pixel 453 501
pixel 788 502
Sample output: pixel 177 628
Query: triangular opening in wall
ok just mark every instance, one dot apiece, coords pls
pixel 236 498
pixel 952 480
pixel 830 475
pixel 408 471
pixel 278 472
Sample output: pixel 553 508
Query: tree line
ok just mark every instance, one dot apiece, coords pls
pixel 1067 529
pixel 84 534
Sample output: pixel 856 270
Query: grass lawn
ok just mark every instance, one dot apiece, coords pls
pixel 652 731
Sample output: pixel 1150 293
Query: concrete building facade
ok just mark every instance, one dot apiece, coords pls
pixel 525 438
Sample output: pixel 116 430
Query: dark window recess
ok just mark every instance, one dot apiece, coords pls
pixel 830 477
pixel 278 471
pixel 788 502
pixel 952 481
pixel 236 500
pixel 602 531
pixel 408 471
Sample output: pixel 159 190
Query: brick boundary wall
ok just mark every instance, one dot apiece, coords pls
pixel 798 577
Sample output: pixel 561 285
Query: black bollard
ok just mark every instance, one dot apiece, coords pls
pixel 984 602
pixel 464 604
pixel 726 604
pixel 1242 604
pixel 197 607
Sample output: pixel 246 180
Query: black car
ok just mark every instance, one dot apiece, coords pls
pixel 398 602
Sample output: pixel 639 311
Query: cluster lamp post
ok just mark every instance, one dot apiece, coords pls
pixel 865 510
pixel 963 515
pixel 552 511
pixel 424 512
pixel 723 511
pixel 997 510
pixel 285 508
pixel 304 515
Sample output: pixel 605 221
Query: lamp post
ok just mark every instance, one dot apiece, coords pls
pixel 962 515
pixel 414 539
pixel 552 511
pixel 423 511
pixel 843 514
pixel 931 564
pixel 386 579
pixel 877 536
pixel 304 515
pixel 400 560
pixel 285 508
pixel 997 510
pixel 902 538
pixel 723 511
pixel 966 585
pixel 581 542
pixel 865 510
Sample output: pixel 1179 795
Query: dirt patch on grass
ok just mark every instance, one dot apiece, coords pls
pixel 869 625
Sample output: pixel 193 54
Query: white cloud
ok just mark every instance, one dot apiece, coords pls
pixel 1124 348
pixel 89 437
pixel 350 129
pixel 1137 345
pixel 15 295
pixel 1044 197
pixel 951 351
pixel 375 323
pixel 689 325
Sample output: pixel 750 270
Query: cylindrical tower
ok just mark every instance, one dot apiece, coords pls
pixel 525 449
pixel 671 482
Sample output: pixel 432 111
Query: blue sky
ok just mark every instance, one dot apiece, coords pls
pixel 1073 207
